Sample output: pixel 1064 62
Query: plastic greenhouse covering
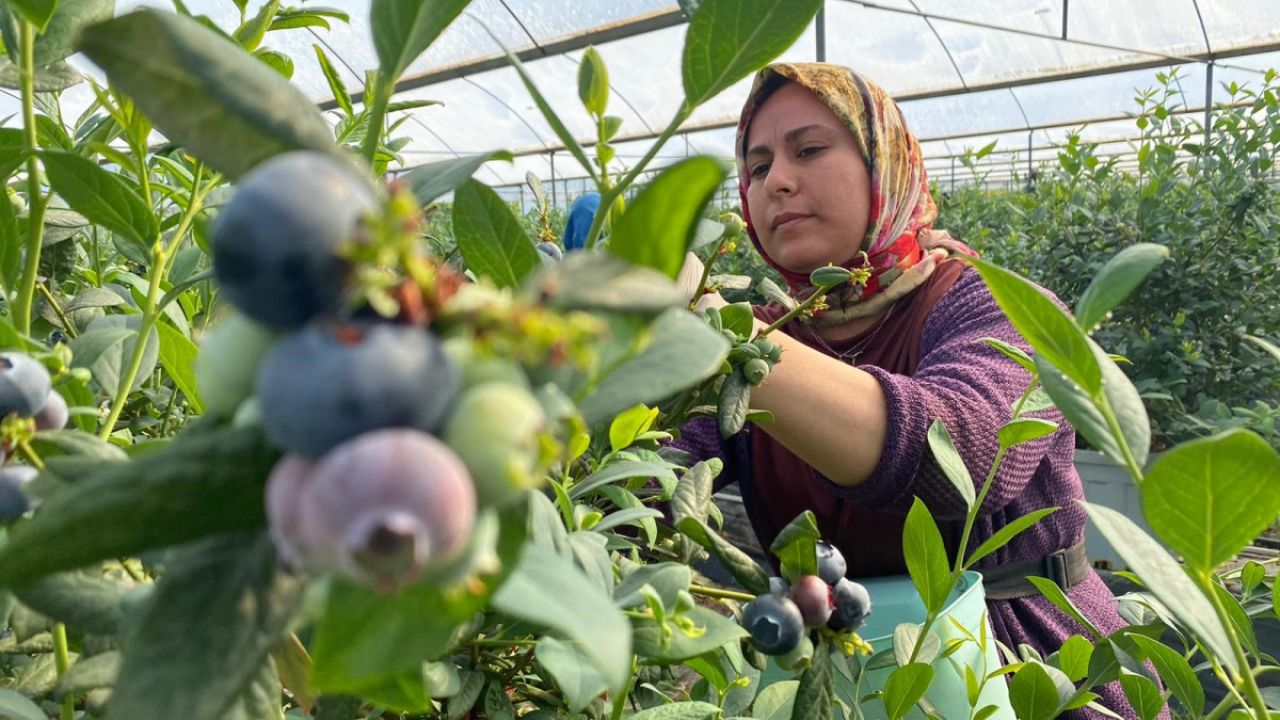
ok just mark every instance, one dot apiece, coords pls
pixel 1021 73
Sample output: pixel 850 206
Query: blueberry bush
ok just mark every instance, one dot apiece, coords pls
pixel 285 436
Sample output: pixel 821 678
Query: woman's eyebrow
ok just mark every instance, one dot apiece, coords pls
pixel 789 136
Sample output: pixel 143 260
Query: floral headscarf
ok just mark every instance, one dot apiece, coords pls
pixel 900 249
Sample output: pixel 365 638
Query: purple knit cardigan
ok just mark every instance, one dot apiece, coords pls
pixel 971 387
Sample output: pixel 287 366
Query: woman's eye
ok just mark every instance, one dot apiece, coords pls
pixel 811 150
pixel 758 170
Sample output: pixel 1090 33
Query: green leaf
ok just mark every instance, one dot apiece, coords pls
pixel 1055 595
pixel 197 485
pixel 368 639
pixel 667 580
pixel 1073 658
pixel 683 352
pixel 601 281
pixel 52 443
pixel 404 29
pixel 1165 578
pixel 430 181
pixel 1083 414
pixel 948 458
pixel 796 547
pixel 730 39
pixel 628 424
pixel 1174 670
pixel 490 236
pixel 692 497
pixel 57 40
pixel 735 403
pixel 547 590
pixel 1143 695
pixel 618 471
pixel 16 706
pixel 82 600
pixel 50 79
pixel 658 225
pixel 36 12
pixel 1209 498
pixel 740 565
pixel 178 357
pixel 260 699
pixel 336 86
pixel 110 365
pixel 1007 533
pixel 1013 352
pixel 1033 694
pixel 206 630
pixel 101 196
pixel 678 711
pixel 738 319
pixel 710 630
pixel 1267 345
pixel 10 248
pixel 276 60
pixel 926 557
pixel 904 688
pixel 816 694
pixel 1122 274
pixel 593 82
pixel 91 673
pixel 1052 333
pixel 776 701
pixel 251 32
pixel 204 92
pixel 905 638
pixel 573 671
pixel 1025 429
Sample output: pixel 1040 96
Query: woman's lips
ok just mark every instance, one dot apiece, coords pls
pixel 787 220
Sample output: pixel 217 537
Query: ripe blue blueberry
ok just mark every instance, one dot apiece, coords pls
pixel 813 597
pixel 381 508
pixel 275 245
pixel 551 250
pixel 24 384
pixel 775 624
pixel 329 383
pixel 831 563
pixel 54 414
pixel 13 502
pixel 853 605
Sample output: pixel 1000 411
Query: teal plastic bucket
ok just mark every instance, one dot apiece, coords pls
pixel 894 601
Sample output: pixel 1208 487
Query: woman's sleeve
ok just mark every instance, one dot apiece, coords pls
pixel 700 440
pixel 972 388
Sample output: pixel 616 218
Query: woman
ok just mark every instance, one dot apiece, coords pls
pixel 830 174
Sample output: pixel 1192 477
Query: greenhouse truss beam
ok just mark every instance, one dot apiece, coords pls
pixel 637 25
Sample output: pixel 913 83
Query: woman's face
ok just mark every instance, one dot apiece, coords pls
pixel 809 194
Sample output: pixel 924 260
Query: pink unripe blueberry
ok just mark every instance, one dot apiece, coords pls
pixel 813 597
pixel 54 414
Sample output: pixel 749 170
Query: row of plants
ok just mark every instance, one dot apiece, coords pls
pixel 315 471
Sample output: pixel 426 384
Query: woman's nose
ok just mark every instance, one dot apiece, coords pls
pixel 780 178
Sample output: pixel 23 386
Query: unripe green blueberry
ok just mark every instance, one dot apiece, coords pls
pixel 755 371
pixel 497 430
pixel 478 368
pixel 227 366
pixel 800 657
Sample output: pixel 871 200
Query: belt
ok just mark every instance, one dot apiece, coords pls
pixel 1068 568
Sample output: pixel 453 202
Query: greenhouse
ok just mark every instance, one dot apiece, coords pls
pixel 639 359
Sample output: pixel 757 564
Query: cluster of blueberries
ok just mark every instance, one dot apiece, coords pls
pixel 26 391
pixel 389 446
pixel 778 619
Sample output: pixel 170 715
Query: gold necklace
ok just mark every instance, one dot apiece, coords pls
pixel 849 355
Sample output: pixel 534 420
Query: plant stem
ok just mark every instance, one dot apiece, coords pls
pixel 793 313
pixel 721 593
pixel 1246 677
pixel 706 271
pixel 159 268
pixel 1113 424
pixel 608 195
pixel 620 700
pixel 35 199
pixel 377 113
pixel 57 309
pixel 62 661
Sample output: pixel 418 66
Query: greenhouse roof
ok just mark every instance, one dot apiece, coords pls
pixel 1023 73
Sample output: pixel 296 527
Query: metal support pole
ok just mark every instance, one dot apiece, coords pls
pixel 1064 18
pixel 953 173
pixel 554 197
pixel 820 35
pixel 522 210
pixel 1030 169
pixel 1208 101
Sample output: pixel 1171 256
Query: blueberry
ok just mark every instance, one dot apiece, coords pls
pixel 24 384
pixel 382 508
pixel 230 355
pixel 13 502
pixel 779 587
pixel 497 430
pixel 288 481
pixel 329 383
pixel 551 250
pixel 775 624
pixel 853 605
pixel 54 414
pixel 831 564
pixel 275 245
pixel 813 597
